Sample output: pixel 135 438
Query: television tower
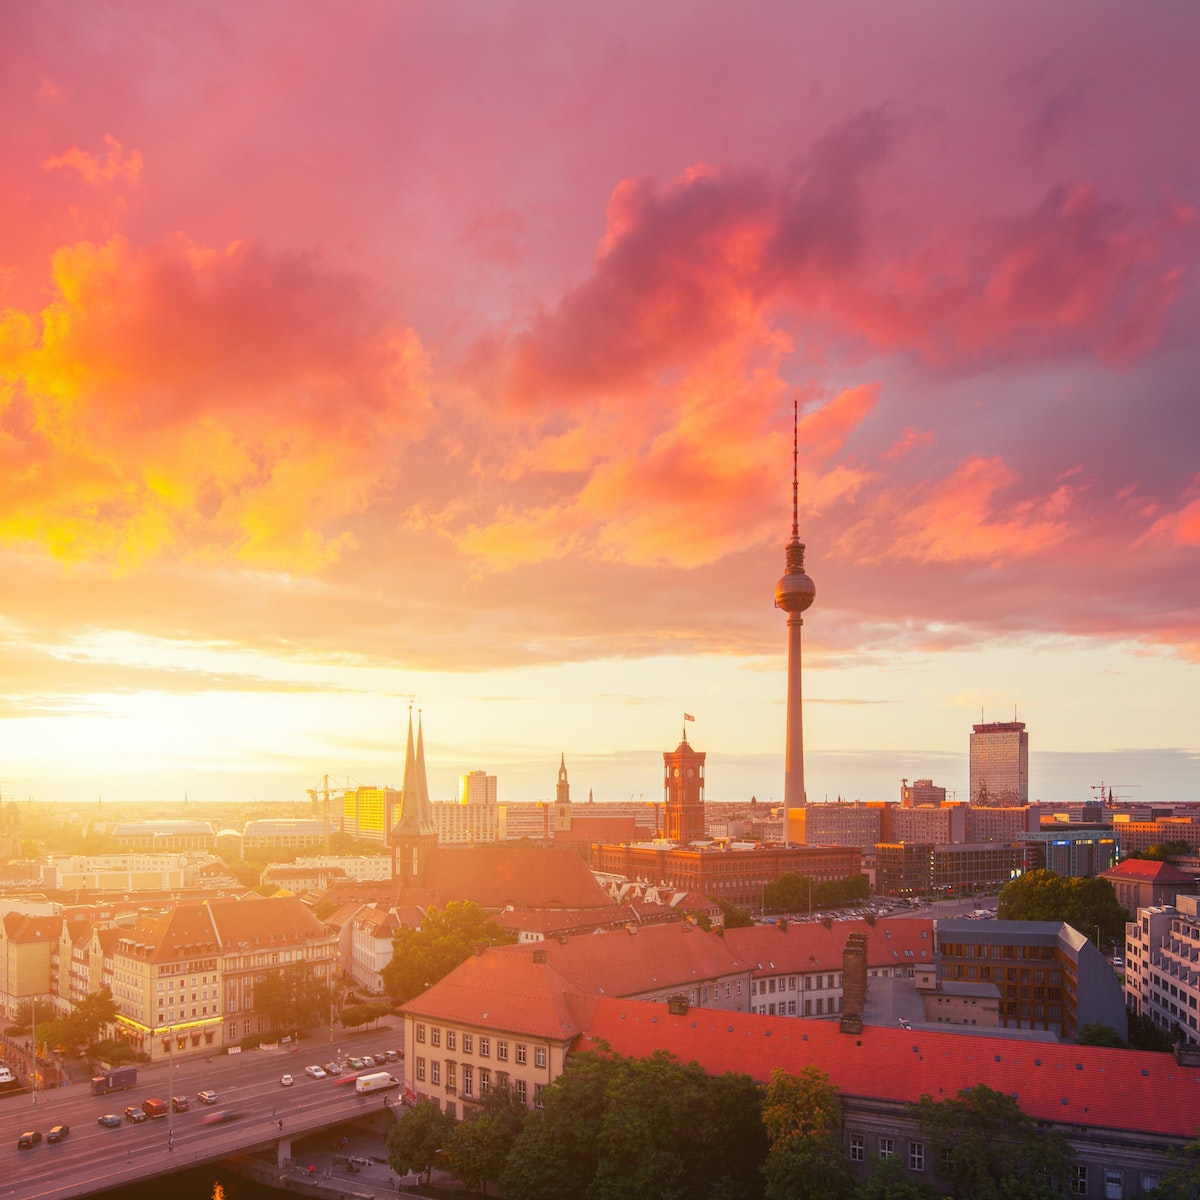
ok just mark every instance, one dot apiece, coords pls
pixel 794 593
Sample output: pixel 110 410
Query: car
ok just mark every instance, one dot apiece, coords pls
pixel 219 1118
pixel 355 1064
pixel 206 1097
pixel 331 1068
pixel 314 1072
pixel 109 1121
pixel 390 1056
pixel 136 1114
pixel 57 1133
pixel 27 1141
pixel 368 1061
pixel 180 1103
pixel 286 1081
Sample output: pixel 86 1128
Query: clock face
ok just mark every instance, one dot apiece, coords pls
pixel 691 772
pixel 676 772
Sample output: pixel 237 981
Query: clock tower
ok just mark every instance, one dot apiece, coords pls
pixel 683 785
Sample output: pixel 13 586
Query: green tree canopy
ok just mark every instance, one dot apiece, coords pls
pixel 446 938
pixel 985 1148
pixel 1163 851
pixel 1097 1034
pixel 361 1014
pixel 292 998
pixel 479 1146
pixel 1083 903
pixel 414 1141
pixel 734 917
pixel 802 1116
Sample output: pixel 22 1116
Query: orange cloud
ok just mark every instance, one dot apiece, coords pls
pixel 178 400
pixel 114 167
pixel 1179 528
pixel 962 519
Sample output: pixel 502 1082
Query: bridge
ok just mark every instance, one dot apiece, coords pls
pixel 254 1116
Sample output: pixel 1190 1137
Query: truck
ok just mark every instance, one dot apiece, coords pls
pixel 376 1081
pixel 115 1079
pixel 154 1107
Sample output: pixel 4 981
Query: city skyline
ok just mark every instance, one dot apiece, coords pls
pixel 450 353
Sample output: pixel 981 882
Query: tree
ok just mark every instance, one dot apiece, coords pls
pixel 1084 904
pixel 1163 851
pixel 1182 1181
pixel 38 1011
pixel 479 1146
pixel 734 917
pixel 802 1115
pixel 985 1148
pixel 1095 1033
pixel 557 1150
pixel 890 1180
pixel 89 1018
pixel 292 998
pixel 446 938
pixel 414 1141
pixel 1144 1034
pixel 361 1014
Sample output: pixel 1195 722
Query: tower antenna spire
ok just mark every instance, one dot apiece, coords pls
pixel 795 470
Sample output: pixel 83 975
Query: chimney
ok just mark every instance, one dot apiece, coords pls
pixel 539 955
pixel 677 1006
pixel 854 983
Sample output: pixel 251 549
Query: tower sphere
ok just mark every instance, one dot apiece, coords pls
pixel 795 592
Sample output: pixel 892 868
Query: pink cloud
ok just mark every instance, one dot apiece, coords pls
pixel 114 166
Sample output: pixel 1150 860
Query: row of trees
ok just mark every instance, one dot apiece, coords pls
pixel 613 1128
pixel 792 893
pixel 71 1032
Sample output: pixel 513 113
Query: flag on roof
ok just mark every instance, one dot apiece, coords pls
pixel 688 717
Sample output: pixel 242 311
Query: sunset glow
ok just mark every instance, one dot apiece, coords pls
pixel 446 353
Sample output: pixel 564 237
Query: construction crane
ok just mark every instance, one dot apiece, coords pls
pixel 1104 792
pixel 320 797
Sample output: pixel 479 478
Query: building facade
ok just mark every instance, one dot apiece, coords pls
pixel 1000 764
pixel 1162 966
pixel 683 793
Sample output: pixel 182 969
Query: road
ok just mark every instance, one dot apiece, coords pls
pixel 93 1157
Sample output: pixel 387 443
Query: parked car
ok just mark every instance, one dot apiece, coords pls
pixel 368 1060
pixel 355 1064
pixel 109 1120
pixel 207 1097
pixel 314 1072
pixel 57 1133
pixel 27 1141
pixel 135 1114
pixel 331 1068
pixel 390 1056
pixel 286 1080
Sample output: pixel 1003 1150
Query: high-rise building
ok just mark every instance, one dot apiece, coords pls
pixel 919 792
pixel 794 593
pixel 369 812
pixel 1000 764
pixel 477 787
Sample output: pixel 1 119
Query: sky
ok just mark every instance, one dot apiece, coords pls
pixel 364 356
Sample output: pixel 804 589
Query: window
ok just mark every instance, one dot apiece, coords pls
pixel 485 1081
pixel 886 1147
pixel 520 1053
pixel 521 1090
pixel 539 1056
pixel 435 1072
pixel 451 1039
pixel 858 1147
pixel 450 1075
pixel 420 1033
pixel 468 1080
pixel 1114 1184
pixel 421 1070
pixel 435 1036
pixel 916 1156
pixel 1150 1182
pixel 485 1047
pixel 538 1089
pixel 947 1160
pixel 468 1043
pixel 1079 1181
pixel 502 1050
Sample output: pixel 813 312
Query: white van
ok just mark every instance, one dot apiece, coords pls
pixel 6 1076
pixel 375 1082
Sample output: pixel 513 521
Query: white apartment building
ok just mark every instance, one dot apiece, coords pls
pixel 363 867
pixel 1162 965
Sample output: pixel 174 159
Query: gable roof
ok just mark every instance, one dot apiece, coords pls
pixel 1079 1085
pixel 799 946
pixel 1145 870
pixel 640 959
pixel 512 993
pixel 524 877
pixel 279 920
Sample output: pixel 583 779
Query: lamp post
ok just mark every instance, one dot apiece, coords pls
pixel 171 1087
pixel 33 1022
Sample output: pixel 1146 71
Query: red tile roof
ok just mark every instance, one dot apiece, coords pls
pixel 801 946
pixel 584 920
pixel 1079 1085
pixel 1145 870
pixel 525 877
pixel 511 993
pixel 650 958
